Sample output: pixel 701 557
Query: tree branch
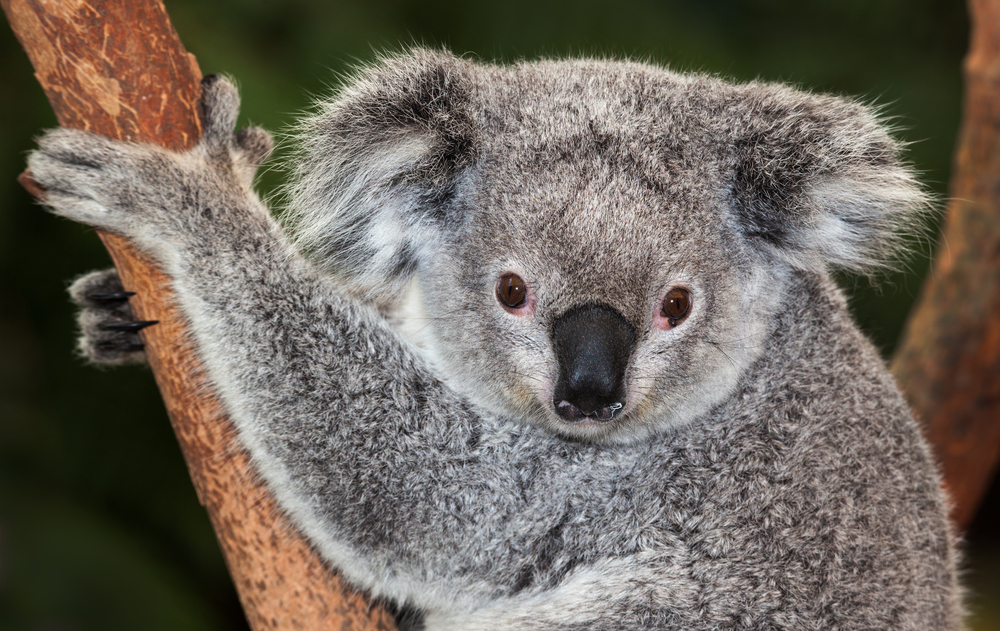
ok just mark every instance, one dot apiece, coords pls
pixel 117 68
pixel 948 361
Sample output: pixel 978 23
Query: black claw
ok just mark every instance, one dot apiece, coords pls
pixel 111 296
pixel 129 326
pixel 111 346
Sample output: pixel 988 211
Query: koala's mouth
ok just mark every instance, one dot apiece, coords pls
pixel 593 344
pixel 573 414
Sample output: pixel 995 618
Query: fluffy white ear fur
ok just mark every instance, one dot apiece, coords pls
pixel 363 226
pixel 375 166
pixel 819 181
pixel 858 223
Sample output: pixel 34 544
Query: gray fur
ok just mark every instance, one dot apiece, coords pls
pixel 765 473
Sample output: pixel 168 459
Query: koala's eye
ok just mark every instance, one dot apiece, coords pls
pixel 676 305
pixel 512 291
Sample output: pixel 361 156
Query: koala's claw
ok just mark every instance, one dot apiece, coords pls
pixel 138 325
pixel 108 329
pixel 113 296
pixel 111 346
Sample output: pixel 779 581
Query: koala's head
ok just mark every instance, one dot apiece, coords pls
pixel 596 247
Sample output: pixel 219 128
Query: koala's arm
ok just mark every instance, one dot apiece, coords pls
pixel 388 471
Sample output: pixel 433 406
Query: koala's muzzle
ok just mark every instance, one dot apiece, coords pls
pixel 593 344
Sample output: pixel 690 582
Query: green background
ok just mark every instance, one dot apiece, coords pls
pixel 99 526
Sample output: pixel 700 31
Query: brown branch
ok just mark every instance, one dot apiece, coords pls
pixel 948 361
pixel 117 67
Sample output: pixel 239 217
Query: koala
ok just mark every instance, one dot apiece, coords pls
pixel 555 345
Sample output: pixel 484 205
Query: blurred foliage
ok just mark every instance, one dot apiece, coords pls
pixel 99 526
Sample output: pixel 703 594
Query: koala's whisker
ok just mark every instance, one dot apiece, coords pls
pixel 718 347
pixel 737 343
pixel 527 376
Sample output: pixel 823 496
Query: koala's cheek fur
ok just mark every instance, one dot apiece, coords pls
pixel 498 360
pixel 678 375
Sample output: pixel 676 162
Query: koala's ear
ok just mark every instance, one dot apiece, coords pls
pixel 379 168
pixel 818 180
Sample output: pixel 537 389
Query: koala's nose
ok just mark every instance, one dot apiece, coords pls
pixel 593 344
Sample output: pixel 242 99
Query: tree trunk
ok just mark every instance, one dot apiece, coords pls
pixel 117 68
pixel 948 362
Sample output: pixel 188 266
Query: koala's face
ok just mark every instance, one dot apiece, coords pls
pixel 598 248
pixel 602 302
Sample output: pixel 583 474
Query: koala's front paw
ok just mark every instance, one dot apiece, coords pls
pixel 161 199
pixel 109 333
pixel 91 179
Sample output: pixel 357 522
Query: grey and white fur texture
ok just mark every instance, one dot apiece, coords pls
pixel 555 345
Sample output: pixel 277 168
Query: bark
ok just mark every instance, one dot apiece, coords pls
pixel 117 67
pixel 948 362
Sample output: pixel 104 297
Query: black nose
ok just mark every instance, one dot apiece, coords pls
pixel 593 344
